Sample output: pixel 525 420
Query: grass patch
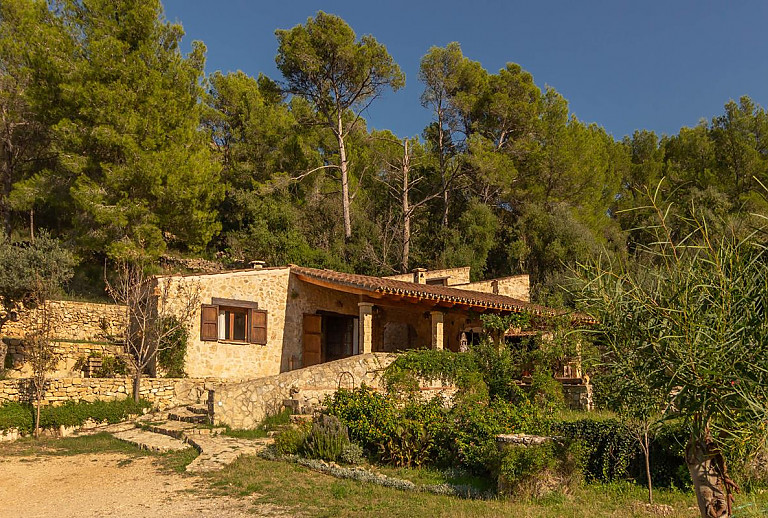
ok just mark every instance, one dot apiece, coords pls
pixel 97 443
pixel 431 476
pixel 271 422
pixel 313 494
pixel 256 433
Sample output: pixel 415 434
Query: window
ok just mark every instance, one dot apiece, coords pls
pixel 233 324
pixel 233 321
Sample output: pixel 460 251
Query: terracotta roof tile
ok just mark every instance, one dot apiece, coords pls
pixel 430 292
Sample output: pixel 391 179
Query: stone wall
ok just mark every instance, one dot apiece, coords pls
pixel 161 392
pixel 453 276
pixel 579 396
pixel 73 321
pixel 245 404
pixel 517 287
pixel 69 353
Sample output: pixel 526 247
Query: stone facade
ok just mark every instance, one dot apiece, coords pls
pixel 73 321
pixel 161 392
pixel 517 287
pixel 246 404
pixel 453 276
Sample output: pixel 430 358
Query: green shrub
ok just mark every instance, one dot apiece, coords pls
pixel 173 349
pixel 546 391
pixel 327 438
pixel 111 366
pixel 612 453
pixel 18 415
pixel 291 440
pixel 352 454
pixel 275 421
pixel 538 469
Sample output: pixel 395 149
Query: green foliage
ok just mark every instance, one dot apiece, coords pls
pixel 612 452
pixel 291 440
pixel 21 416
pixel 525 469
pixel 111 367
pixel 546 391
pixel 327 438
pixel 172 350
pixel 352 454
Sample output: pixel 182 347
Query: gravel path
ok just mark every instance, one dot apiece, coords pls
pixel 104 485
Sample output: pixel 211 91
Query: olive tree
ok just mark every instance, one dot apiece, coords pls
pixel 688 320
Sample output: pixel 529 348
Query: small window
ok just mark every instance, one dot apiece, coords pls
pixel 233 324
pixel 438 281
pixel 237 321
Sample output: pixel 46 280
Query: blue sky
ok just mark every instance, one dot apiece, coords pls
pixel 625 65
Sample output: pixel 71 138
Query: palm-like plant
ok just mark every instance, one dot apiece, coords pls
pixel 686 325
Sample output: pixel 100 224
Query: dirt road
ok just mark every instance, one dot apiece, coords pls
pixel 105 485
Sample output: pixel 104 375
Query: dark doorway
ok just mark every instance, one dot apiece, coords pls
pixel 339 337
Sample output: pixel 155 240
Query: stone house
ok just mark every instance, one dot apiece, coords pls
pixel 265 321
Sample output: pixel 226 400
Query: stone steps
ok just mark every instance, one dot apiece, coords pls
pixel 220 451
pixel 183 414
pixel 198 409
pixel 147 440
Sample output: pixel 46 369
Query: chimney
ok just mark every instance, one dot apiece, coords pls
pixel 257 265
pixel 420 275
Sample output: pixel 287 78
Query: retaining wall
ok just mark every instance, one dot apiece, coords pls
pixel 245 404
pixel 161 392
pixel 73 320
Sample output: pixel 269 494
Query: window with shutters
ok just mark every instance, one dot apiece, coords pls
pixel 238 321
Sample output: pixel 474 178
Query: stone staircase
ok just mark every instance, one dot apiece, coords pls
pixel 184 427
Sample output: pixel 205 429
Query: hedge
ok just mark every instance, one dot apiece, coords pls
pixel 21 415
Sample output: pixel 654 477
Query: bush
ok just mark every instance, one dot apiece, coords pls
pixel 612 453
pixel 533 471
pixel 327 439
pixel 291 440
pixel 111 366
pixel 546 391
pixel 16 415
pixel 352 454
pixel 173 349
pixel 21 416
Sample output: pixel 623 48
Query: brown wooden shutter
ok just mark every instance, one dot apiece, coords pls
pixel 312 340
pixel 258 319
pixel 209 323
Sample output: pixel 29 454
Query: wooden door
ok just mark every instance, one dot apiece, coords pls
pixel 312 340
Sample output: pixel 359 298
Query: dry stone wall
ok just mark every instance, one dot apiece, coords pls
pixel 70 355
pixel 73 321
pixel 161 392
pixel 245 404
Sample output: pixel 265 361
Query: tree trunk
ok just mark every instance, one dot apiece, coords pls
pixel 647 455
pixel 137 385
pixel 711 483
pixel 406 208
pixel 344 179
pixel 7 183
pixel 38 400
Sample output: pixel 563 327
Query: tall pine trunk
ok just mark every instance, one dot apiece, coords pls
pixel 711 483
pixel 406 208
pixel 344 179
